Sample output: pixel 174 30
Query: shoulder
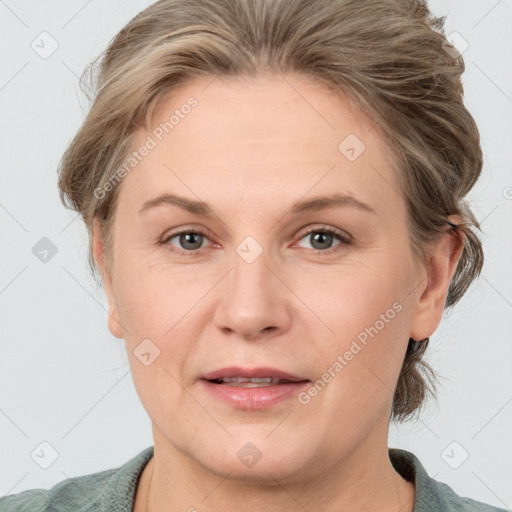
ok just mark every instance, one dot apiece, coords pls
pixel 88 493
pixel 432 495
pixel 70 494
pixel 34 499
pixel 457 503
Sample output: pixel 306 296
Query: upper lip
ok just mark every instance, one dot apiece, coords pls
pixel 249 373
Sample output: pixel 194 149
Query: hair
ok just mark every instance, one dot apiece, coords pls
pixel 390 58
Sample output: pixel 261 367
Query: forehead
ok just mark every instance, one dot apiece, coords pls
pixel 269 136
pixel 269 109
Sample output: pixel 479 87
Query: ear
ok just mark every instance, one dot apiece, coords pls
pixel 114 325
pixel 434 282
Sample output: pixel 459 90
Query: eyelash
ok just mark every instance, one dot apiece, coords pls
pixel 345 239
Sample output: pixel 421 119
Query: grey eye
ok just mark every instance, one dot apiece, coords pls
pixel 189 240
pixel 321 239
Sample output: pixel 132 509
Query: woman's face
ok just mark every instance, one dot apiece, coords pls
pixel 294 264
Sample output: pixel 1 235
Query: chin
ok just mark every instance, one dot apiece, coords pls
pixel 255 462
pixel 264 472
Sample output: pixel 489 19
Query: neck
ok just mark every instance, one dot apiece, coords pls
pixel 362 481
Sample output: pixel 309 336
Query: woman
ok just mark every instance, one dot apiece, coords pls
pixel 274 192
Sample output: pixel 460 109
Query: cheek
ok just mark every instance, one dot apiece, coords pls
pixel 355 300
pixel 159 310
pixel 152 301
pixel 158 339
pixel 366 317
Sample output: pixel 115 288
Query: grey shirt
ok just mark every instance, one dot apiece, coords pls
pixel 113 490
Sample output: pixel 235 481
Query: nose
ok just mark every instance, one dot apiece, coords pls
pixel 254 303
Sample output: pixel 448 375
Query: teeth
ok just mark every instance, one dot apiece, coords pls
pixel 251 383
pixel 244 379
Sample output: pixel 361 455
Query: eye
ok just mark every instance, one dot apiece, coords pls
pixel 322 239
pixel 186 241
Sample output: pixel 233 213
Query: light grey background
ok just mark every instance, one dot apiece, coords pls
pixel 65 378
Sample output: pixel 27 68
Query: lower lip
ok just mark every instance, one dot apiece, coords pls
pixel 263 397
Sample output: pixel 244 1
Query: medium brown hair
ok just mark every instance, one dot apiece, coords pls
pixel 391 58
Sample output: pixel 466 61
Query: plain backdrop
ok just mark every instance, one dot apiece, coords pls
pixel 65 378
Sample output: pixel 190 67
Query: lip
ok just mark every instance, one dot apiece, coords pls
pixel 256 398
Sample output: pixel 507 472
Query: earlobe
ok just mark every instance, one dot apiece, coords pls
pixel 114 326
pixel 113 322
pixel 431 299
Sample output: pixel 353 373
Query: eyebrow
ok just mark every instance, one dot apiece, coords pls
pixel 310 205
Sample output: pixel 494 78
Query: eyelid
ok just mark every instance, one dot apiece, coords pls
pixel 344 237
pixel 186 229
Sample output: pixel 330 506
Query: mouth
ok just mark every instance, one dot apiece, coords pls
pixel 252 388
pixel 255 377
pixel 255 382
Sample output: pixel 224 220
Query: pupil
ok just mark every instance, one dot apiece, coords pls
pixel 321 238
pixel 188 238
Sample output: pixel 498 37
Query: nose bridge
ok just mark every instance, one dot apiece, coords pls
pixel 253 298
pixel 251 275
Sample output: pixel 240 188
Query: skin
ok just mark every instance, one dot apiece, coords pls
pixel 251 149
